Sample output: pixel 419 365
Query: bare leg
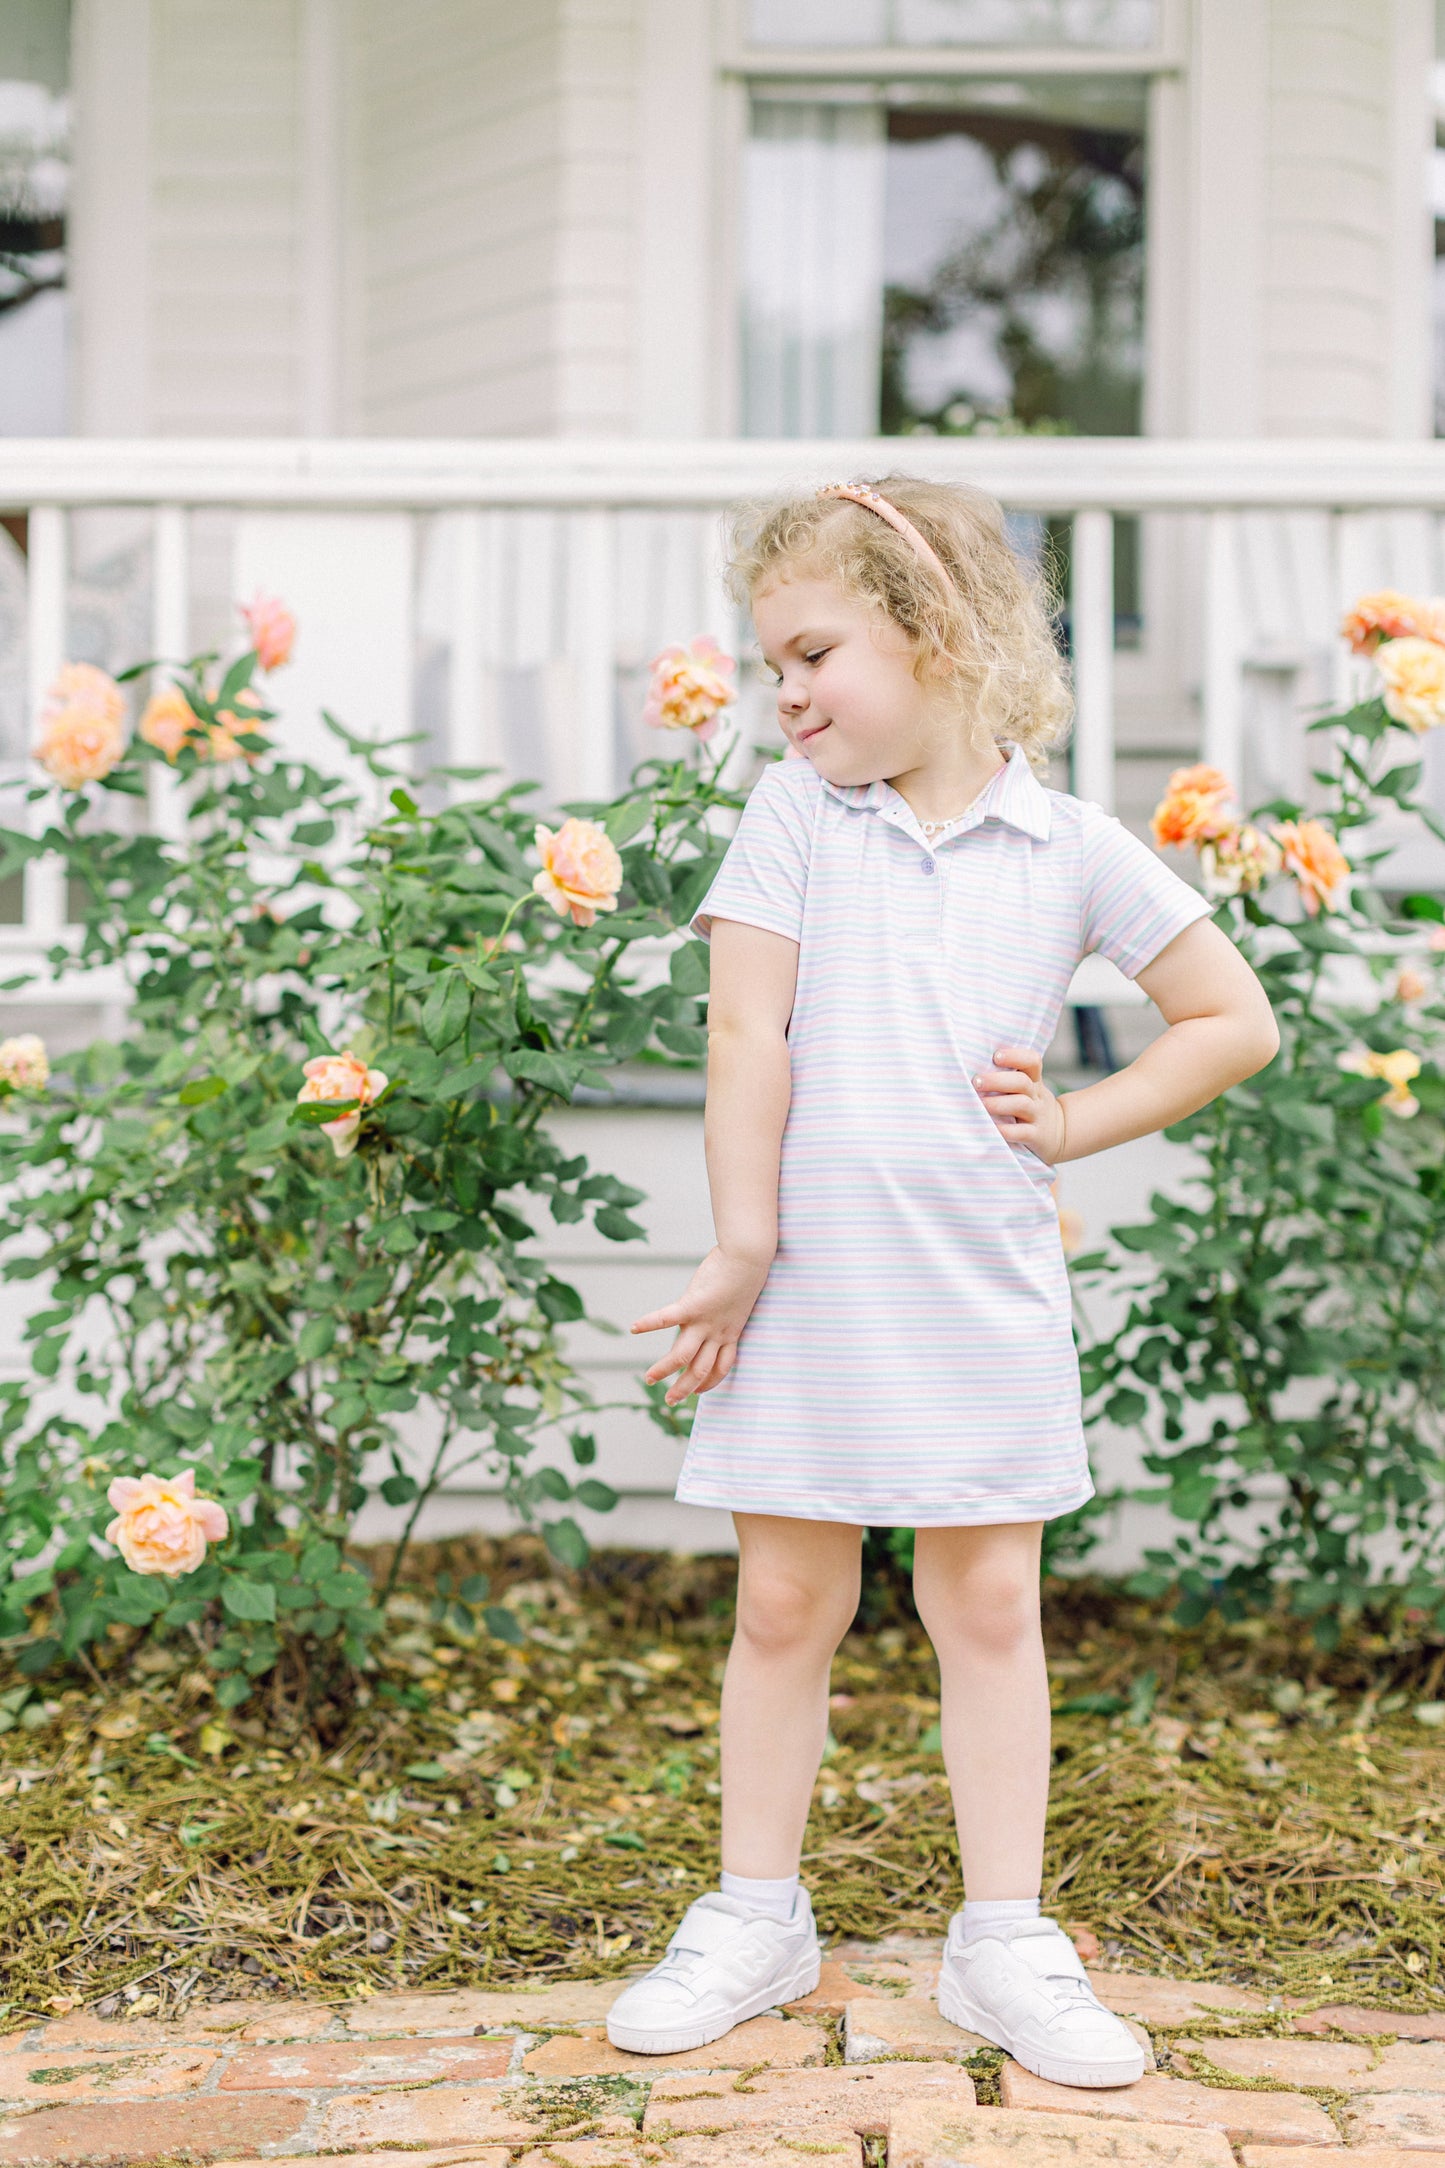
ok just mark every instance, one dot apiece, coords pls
pixel 797 1594
pixel 977 1591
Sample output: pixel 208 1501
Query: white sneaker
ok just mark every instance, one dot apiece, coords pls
pixel 725 1963
pixel 1023 1986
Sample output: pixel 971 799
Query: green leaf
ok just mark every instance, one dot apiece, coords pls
pixel 398 1490
pixel 475 1588
pixel 599 1497
pixel 624 821
pixel 404 803
pixel 318 1337
pixel 201 1090
pixel 446 1008
pixel 567 1544
pixel 555 1072
pixel 504 1625
pixel 626 1840
pixel 558 1302
pixel 688 969
pixel 251 1600
pixel 430 1772
pixel 609 1220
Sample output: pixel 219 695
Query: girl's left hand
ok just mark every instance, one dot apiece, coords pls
pixel 1021 1104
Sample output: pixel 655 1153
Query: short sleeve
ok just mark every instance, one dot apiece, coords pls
pixel 1133 905
pixel 764 877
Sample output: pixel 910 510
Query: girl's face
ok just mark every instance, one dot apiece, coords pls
pixel 848 698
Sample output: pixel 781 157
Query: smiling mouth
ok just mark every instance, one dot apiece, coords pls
pixel 816 732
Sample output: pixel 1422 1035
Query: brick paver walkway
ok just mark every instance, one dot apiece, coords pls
pixel 522 2078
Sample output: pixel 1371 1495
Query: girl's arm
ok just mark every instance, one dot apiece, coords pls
pixel 1221 1030
pixel 754 977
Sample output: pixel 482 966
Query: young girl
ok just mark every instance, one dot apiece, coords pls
pixel 881 1335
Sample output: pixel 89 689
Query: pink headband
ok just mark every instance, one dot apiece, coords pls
pixel 859 493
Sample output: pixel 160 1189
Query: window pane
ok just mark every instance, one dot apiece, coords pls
pixel 813 273
pixel 1111 25
pixel 1014 262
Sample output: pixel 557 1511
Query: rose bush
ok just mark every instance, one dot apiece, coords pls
pixel 286 1227
pixel 1283 1348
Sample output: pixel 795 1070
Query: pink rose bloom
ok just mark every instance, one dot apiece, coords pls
pixel 581 871
pixel 82 726
pixel 24 1062
pixel 1410 986
pixel 689 687
pixel 168 721
pixel 161 1526
pixel 341 1076
pixel 272 629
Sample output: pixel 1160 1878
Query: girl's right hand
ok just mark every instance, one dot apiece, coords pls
pixel 710 1315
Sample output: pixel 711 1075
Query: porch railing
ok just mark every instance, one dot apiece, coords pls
pixel 1343 516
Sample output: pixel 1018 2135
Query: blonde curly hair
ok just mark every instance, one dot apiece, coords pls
pixel 990 630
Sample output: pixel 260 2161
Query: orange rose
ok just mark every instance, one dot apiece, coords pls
pixel 1311 854
pixel 689 688
pixel 1192 809
pixel 1389 615
pixel 82 726
pixel 341 1076
pixel 161 1526
pixel 1413 671
pixel 1410 986
pixel 581 871
pixel 272 629
pixel 169 721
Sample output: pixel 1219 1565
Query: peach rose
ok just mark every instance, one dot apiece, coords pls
pixel 272 628
pixel 1389 615
pixel 1398 1069
pixel 1192 809
pixel 689 687
pixel 224 735
pixel 1410 986
pixel 1313 857
pixel 1238 861
pixel 581 871
pixel 24 1063
pixel 1071 1223
pixel 82 726
pixel 161 1526
pixel 1413 671
pixel 342 1076
pixel 169 721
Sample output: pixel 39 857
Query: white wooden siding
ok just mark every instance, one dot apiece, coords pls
pixel 226 123
pixel 1328 320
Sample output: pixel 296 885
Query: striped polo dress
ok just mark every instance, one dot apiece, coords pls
pixel 910 1361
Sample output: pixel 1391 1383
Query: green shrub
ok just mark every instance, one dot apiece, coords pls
pixel 1283 1347
pixel 233 1290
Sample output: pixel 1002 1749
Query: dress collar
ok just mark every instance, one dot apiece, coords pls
pixel 1013 795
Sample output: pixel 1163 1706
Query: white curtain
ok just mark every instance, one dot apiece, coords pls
pixel 812 269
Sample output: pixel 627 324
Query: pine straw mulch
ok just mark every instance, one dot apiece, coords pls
pixel 1227 1803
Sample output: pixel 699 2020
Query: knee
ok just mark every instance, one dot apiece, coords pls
pixel 782 1614
pixel 990 1614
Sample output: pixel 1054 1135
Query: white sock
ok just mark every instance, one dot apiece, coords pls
pixel 984 1913
pixel 776 1898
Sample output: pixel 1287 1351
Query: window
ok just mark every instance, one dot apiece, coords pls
pixel 948 258
pixel 1113 25
pixel 34 171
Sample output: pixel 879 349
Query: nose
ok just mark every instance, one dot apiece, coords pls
pixel 792 697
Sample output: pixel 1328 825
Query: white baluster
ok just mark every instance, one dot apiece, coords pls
pixel 170 642
pixel 45 877
pixel 591 616
pixel 1091 616
pixel 1222 736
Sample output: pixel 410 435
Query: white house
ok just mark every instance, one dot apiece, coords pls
pixel 459 322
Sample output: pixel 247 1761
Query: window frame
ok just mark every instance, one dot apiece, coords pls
pixel 744 67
